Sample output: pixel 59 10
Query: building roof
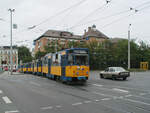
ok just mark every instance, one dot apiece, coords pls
pixel 59 34
pixel 93 32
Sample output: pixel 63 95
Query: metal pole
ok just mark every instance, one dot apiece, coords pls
pixel 129 46
pixel 11 55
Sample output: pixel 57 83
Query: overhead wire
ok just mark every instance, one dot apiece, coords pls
pixel 119 13
pixel 91 13
pixel 61 12
pixel 99 19
pixel 55 15
pixel 122 18
pixel 116 14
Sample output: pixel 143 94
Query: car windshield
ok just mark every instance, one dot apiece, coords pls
pixel 119 69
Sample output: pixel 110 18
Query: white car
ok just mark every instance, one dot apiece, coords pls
pixel 114 73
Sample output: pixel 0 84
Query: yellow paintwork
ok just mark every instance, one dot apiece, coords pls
pixel 56 70
pixel 39 69
pixel 35 69
pixel 76 71
pixel 45 69
pixel 144 65
pixel 29 69
pixel 24 69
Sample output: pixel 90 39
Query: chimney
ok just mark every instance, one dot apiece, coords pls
pixel 84 31
pixel 89 28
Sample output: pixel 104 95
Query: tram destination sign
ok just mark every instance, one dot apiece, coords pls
pixel 80 51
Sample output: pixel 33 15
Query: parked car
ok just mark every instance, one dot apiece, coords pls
pixel 114 73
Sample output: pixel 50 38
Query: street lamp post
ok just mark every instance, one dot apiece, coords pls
pixel 129 46
pixel 11 55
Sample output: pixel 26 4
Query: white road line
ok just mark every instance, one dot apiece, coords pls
pixel 105 99
pixel 34 83
pixel 58 106
pixel 142 94
pixel 45 108
pixel 104 94
pixel 97 100
pixel 128 95
pixel 99 85
pixel 120 90
pixel 120 97
pixel 7 100
pixel 135 101
pixel 87 102
pixel 75 104
pixel 141 97
pixel 1 91
pixel 129 88
pixel 12 111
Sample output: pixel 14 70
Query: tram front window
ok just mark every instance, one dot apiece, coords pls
pixel 81 60
pixel 78 59
pixel 70 59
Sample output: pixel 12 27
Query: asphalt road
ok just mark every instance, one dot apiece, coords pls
pixel 26 93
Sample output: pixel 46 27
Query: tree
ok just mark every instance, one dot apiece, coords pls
pixel 39 54
pixel 24 54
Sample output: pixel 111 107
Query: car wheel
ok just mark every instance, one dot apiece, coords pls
pixel 101 76
pixel 124 78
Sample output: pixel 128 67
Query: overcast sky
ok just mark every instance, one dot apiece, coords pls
pixel 112 19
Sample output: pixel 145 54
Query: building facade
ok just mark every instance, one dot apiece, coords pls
pixel 62 37
pixel 5 57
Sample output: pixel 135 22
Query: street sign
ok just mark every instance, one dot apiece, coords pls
pixel 14 26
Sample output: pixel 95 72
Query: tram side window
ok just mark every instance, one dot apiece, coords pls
pixel 55 60
pixel 81 60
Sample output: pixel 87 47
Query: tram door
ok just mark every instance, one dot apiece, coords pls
pixel 63 64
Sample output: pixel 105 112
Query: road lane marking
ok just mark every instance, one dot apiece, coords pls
pixel 120 97
pixel 87 101
pixel 99 85
pixel 141 97
pixel 7 100
pixel 97 100
pixel 58 106
pixel 1 91
pixel 104 94
pixel 143 109
pixel 78 103
pixel 120 90
pixel 142 94
pixel 113 89
pixel 34 83
pixel 11 111
pixel 45 108
pixel 135 101
pixel 129 88
pixel 128 95
pixel 105 99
